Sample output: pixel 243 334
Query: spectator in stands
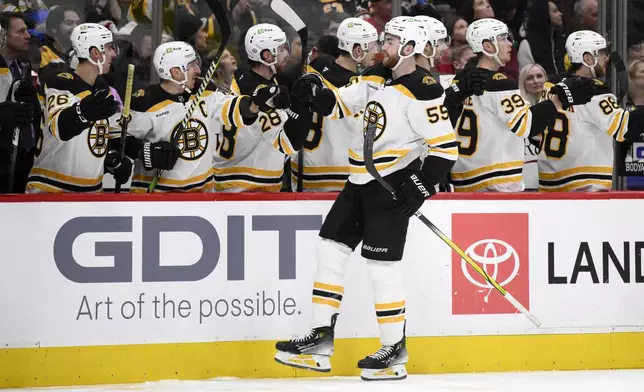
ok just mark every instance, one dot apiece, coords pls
pixel 191 29
pixel 60 23
pixel 98 11
pixel 34 12
pixel 381 12
pixel 331 21
pixel 24 113
pixel 532 81
pixel 139 52
pixel 457 30
pixel 545 42
pixel 473 10
pixel 460 56
pixel 226 71
pixel 586 14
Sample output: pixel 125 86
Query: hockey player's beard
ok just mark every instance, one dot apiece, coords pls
pixel 390 61
pixel 600 71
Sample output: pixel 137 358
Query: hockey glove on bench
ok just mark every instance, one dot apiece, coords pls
pixel 412 194
pixel 160 155
pixel 574 91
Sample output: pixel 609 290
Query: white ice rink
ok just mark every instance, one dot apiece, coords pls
pixel 579 381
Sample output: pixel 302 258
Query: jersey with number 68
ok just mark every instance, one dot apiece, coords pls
pixel 491 132
pixel 577 153
pixel 251 158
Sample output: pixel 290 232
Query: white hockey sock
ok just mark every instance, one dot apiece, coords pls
pixel 389 296
pixel 328 287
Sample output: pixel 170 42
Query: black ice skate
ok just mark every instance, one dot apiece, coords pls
pixel 388 363
pixel 311 352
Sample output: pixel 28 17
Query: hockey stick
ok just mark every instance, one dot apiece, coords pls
pixel 224 27
pixel 15 140
pixel 622 75
pixel 125 115
pixel 286 12
pixel 371 169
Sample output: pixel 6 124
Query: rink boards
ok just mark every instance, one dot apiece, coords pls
pixel 122 289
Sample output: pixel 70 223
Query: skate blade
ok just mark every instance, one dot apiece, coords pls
pixel 396 372
pixel 318 363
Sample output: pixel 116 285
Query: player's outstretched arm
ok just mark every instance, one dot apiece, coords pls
pixel 72 120
pixel 467 83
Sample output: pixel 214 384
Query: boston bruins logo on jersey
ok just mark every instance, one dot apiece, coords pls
pixel 194 141
pixel 375 114
pixel 97 138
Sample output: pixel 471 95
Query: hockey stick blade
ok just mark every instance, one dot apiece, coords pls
pixel 224 28
pixel 371 169
pixel 286 12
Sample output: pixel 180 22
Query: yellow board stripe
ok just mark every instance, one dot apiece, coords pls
pixel 394 319
pixel 390 306
pixel 120 364
pixel 329 287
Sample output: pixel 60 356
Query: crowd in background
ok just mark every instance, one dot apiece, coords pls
pixel 539 27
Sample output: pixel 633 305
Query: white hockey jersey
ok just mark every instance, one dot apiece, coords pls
pixel 251 158
pixel 491 132
pixel 577 153
pixel 410 117
pixel 157 115
pixel 326 149
pixel 75 165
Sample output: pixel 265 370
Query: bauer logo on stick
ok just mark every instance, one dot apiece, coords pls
pixel 498 243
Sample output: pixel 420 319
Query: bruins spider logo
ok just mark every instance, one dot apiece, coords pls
pixel 375 114
pixel 194 141
pixel 97 138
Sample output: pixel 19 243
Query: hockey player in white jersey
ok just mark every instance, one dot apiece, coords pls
pixel 406 104
pixel 438 41
pixel 79 115
pixel 577 152
pixel 157 115
pixel 326 147
pixel 251 158
pixel 492 125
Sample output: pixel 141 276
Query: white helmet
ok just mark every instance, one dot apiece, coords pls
pixel 407 29
pixel 264 36
pixel 354 31
pixel 436 35
pixel 487 29
pixel 584 41
pixel 90 35
pixel 174 54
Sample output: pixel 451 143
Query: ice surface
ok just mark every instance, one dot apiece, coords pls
pixel 582 381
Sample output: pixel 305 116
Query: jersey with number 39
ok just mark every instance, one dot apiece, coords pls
pixel 410 118
pixel 491 132
pixel 577 153
pixel 74 165
pixel 251 158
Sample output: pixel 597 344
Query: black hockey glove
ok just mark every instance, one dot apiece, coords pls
pixel 472 82
pixel 121 169
pixel 307 87
pixel 98 106
pixel 412 194
pixel 324 102
pixel 271 97
pixel 160 155
pixel 574 91
pixel 26 92
pixel 13 114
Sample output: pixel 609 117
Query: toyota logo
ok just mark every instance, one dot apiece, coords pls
pixel 491 252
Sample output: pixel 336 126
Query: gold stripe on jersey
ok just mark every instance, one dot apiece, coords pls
pixel 329 178
pixel 404 91
pixel 248 179
pixel 576 179
pixel 486 176
pixel 4 71
pixel 618 126
pixel 390 312
pixel 51 181
pixel 159 106
pixel 445 146
pixel 200 183
pixel 519 123
pixel 283 144
pixel 231 113
pixel 382 160
pixel 327 294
